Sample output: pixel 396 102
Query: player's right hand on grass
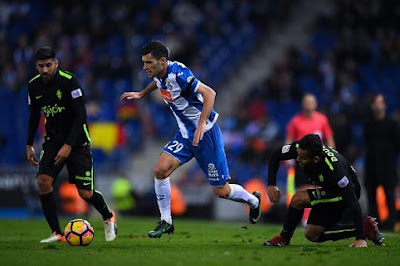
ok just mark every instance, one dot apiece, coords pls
pixel 131 95
pixel 30 155
pixel 274 193
pixel 359 243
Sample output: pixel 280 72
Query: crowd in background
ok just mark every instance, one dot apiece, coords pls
pixel 353 52
pixel 99 41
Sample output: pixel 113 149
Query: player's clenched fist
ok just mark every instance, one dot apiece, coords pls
pixel 274 193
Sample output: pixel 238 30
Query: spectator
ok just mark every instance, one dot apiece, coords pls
pixel 382 147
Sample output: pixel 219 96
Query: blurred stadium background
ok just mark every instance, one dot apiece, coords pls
pixel 260 57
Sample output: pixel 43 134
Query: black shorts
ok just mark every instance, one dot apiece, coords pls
pixel 327 208
pixel 79 164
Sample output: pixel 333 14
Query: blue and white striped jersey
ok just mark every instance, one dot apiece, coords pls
pixel 179 91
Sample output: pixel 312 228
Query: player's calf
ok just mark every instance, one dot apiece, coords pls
pixel 85 194
pixel 222 192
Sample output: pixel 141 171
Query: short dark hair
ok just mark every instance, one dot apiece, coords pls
pixel 156 49
pixel 312 144
pixel 45 52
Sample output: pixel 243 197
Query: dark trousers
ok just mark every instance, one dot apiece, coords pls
pixel 390 201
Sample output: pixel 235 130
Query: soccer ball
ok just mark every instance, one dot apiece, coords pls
pixel 79 232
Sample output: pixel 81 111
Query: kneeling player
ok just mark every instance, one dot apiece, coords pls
pixel 336 213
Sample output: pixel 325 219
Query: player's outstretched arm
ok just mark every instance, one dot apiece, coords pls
pixel 133 95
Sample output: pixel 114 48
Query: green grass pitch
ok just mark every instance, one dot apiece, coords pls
pixel 194 242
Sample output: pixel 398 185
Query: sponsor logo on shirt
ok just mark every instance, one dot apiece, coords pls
pixel 51 111
pixel 166 95
pixel 76 93
pixel 189 79
pixel 212 171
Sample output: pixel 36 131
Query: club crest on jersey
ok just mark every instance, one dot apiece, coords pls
pixel 59 94
pixel 285 148
pixel 166 95
pixel 168 85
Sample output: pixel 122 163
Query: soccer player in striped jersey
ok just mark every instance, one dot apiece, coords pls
pixel 198 134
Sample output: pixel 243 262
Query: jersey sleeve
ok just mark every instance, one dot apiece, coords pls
pixel 34 118
pixel 77 100
pixel 186 80
pixel 287 152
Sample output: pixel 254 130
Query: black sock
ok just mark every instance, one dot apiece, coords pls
pixel 292 221
pixel 338 232
pixel 50 211
pixel 100 204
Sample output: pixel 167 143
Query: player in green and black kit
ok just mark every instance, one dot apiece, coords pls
pixel 58 95
pixel 336 213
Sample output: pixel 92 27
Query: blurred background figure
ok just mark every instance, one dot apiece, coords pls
pixel 382 141
pixel 123 196
pixel 71 204
pixel 309 121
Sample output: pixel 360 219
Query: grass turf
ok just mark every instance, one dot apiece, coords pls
pixel 194 242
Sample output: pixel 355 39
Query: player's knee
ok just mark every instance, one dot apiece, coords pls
pixel 45 184
pixel 312 234
pixel 311 237
pixel 160 172
pixel 297 201
pixel 85 194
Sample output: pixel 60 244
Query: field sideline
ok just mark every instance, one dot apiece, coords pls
pixel 194 242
